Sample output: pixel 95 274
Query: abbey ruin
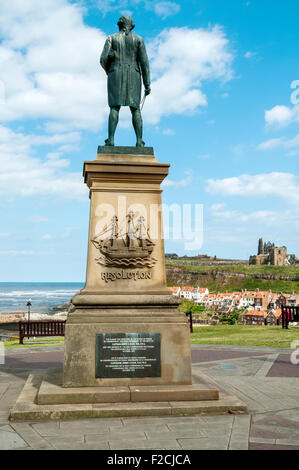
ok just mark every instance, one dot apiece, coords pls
pixel 270 254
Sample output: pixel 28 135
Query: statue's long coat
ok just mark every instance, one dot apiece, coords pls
pixel 125 61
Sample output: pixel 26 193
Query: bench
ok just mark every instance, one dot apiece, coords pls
pixel 31 329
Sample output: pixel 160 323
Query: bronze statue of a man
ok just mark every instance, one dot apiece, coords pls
pixel 125 60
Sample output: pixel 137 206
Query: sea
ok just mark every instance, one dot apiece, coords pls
pixel 44 295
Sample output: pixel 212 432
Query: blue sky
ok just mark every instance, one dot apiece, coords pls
pixel 222 112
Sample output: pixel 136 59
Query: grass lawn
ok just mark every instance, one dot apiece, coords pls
pixel 240 335
pixel 34 343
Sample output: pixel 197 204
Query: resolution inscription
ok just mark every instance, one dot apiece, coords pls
pixel 134 275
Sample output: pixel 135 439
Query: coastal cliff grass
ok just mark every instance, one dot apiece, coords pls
pixel 241 335
pixel 251 284
pixel 194 265
pixel 233 278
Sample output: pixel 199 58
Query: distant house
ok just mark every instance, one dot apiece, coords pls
pixel 187 293
pixel 199 294
pixel 255 317
pixel 247 299
pixel 262 300
pixel 208 300
pixel 287 300
pixel 171 255
pixel 175 291
pixel 293 300
pixel 274 317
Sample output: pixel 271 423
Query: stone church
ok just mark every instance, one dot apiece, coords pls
pixel 268 253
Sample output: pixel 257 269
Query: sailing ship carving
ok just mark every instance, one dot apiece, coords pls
pixel 132 249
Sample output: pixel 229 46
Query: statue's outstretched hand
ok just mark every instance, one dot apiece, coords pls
pixel 147 91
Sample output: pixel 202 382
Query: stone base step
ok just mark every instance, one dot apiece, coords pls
pixel 27 407
pixel 51 392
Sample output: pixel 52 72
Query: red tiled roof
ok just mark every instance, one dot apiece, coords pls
pixel 256 313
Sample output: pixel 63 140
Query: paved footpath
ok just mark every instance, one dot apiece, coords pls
pixel 263 378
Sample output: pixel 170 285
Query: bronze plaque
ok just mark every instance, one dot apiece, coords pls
pixel 128 355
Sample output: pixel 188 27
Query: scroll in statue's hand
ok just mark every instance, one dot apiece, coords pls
pixel 147 91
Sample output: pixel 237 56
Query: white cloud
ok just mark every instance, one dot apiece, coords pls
pixel 47 236
pixel 282 185
pixel 183 183
pixel 37 219
pixel 49 65
pixel 68 232
pixel 282 116
pixel 249 55
pixel 205 156
pixel 181 59
pixel 22 174
pixel 219 211
pixel 168 132
pixel 26 253
pixel 165 9
pixel 106 6
pixel 160 8
pixel 228 226
pixel 281 142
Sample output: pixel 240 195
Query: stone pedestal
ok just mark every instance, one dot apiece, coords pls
pixel 126 294
pixel 127 347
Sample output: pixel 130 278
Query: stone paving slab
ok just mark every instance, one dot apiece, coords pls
pixel 200 355
pixel 261 440
pixel 240 433
pixel 159 428
pixel 67 444
pixel 200 430
pixel 204 444
pixel 165 444
pixel 10 440
pixel 34 359
pixel 271 447
pixel 288 442
pixel 31 437
pixel 92 423
pixel 234 367
pixel 177 434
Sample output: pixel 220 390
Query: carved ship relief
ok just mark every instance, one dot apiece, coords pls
pixel 132 249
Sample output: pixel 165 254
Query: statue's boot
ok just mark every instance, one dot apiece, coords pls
pixel 109 142
pixel 140 143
